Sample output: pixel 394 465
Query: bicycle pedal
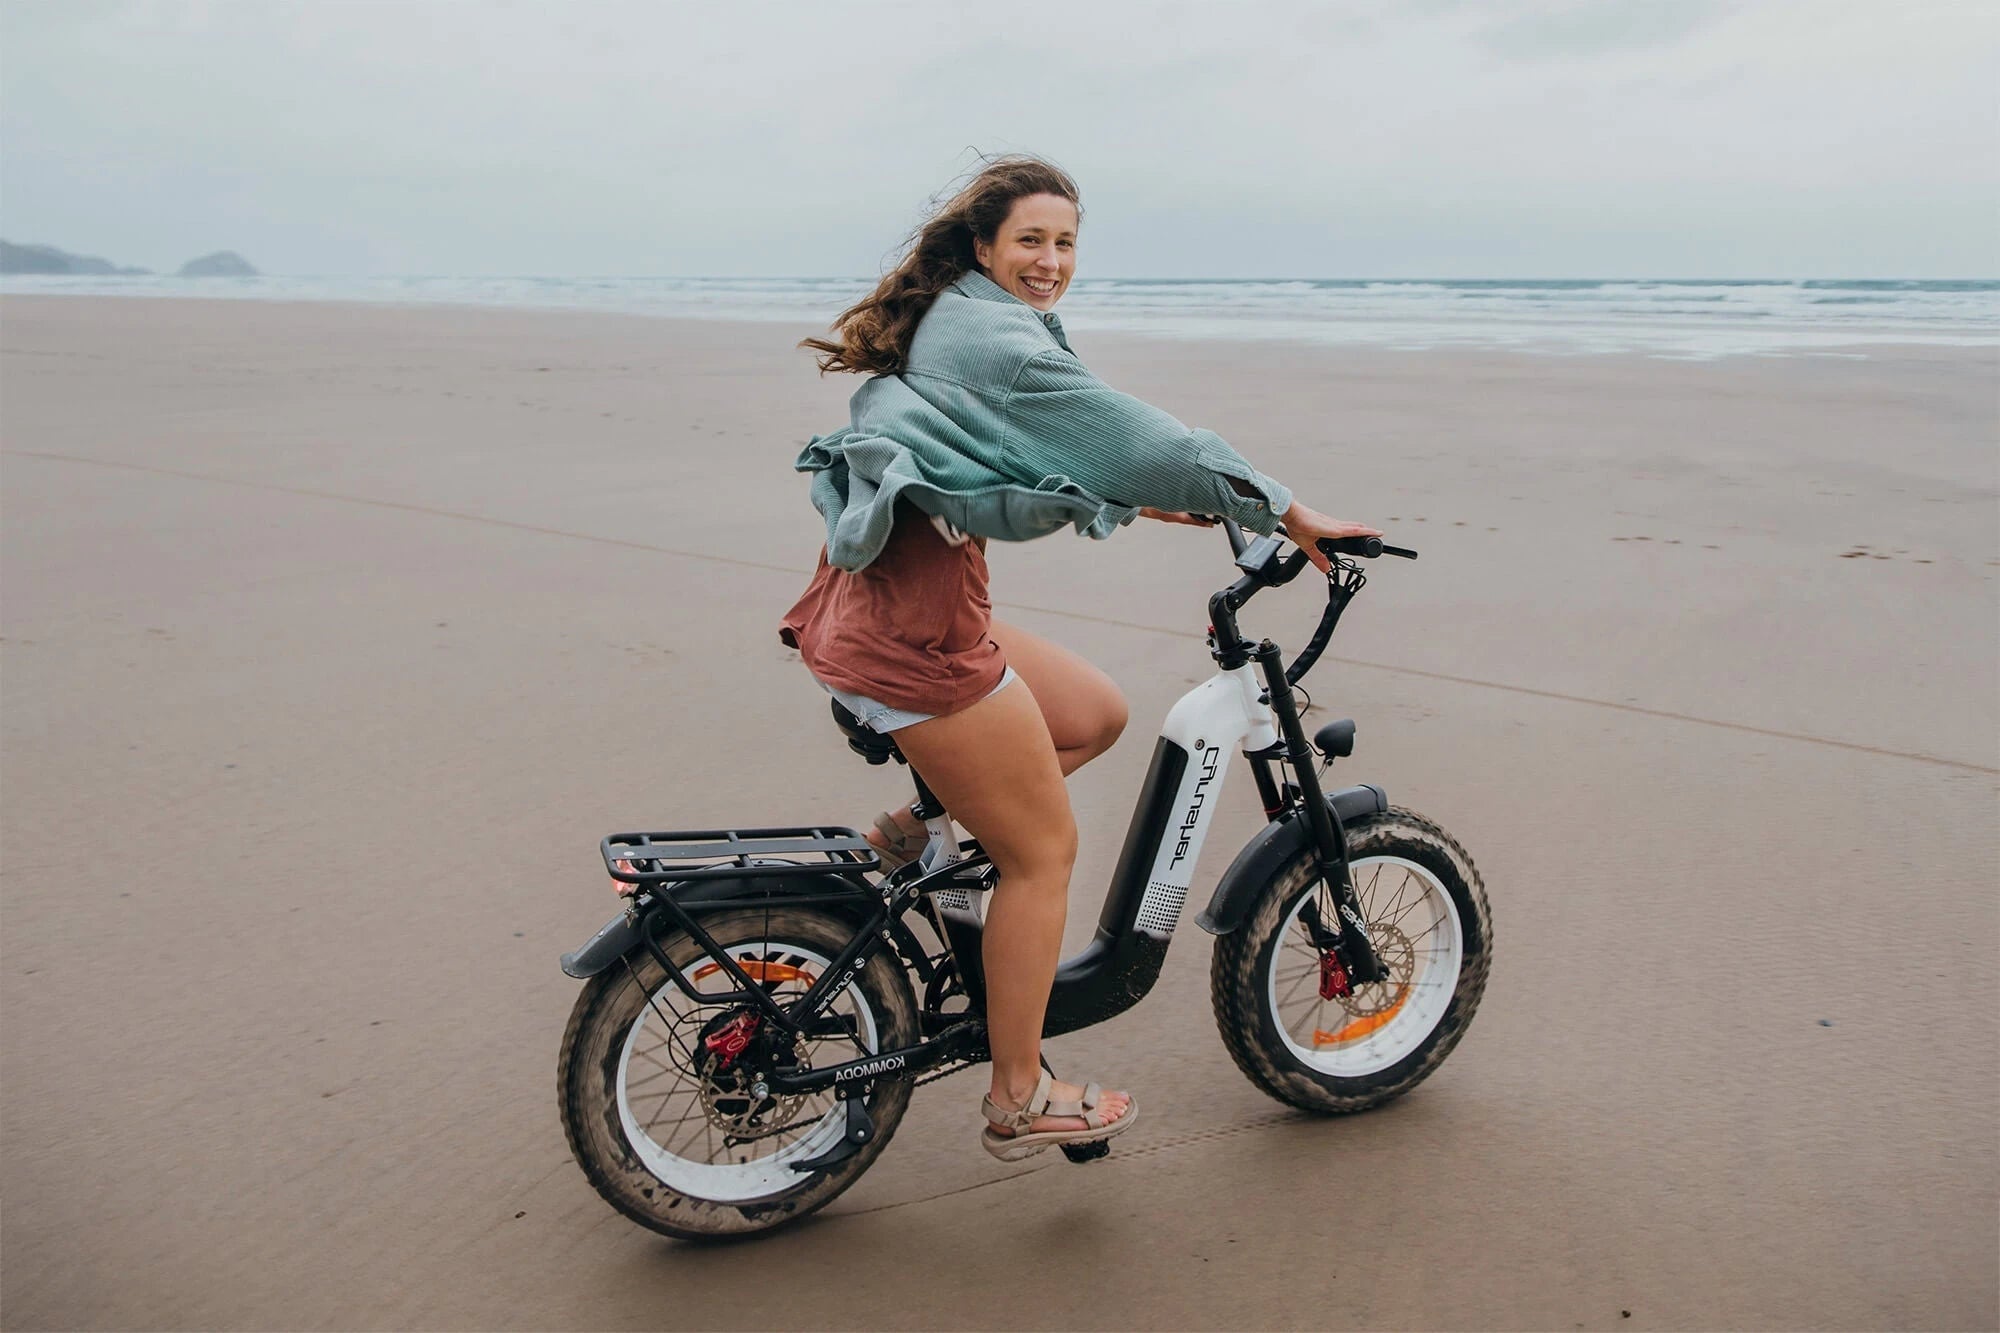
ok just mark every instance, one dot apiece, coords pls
pixel 1086 1152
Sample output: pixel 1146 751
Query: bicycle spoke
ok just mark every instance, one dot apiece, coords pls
pixel 1429 930
pixel 1287 997
pixel 1365 895
pixel 694 1107
pixel 655 1075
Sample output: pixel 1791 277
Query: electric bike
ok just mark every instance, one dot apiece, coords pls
pixel 753 1024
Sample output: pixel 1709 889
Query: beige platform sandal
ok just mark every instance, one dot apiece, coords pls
pixel 1012 1148
pixel 904 846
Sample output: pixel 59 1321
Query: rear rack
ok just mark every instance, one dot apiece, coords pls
pixel 693 854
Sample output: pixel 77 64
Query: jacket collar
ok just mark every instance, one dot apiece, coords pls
pixel 980 287
pixel 977 285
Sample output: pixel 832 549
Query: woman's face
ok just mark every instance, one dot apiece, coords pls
pixel 1034 253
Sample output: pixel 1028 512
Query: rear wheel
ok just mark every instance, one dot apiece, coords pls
pixel 669 1124
pixel 1289 1027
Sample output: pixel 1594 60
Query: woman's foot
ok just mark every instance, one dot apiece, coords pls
pixel 1111 1107
pixel 898 838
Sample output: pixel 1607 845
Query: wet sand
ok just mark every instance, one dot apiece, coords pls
pixel 336 635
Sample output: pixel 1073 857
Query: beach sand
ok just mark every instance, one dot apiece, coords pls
pixel 335 636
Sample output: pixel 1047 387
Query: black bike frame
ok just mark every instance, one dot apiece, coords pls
pixel 1120 965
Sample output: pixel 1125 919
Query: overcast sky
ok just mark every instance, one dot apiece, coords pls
pixel 1417 138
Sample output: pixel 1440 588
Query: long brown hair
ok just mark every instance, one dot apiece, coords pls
pixel 872 337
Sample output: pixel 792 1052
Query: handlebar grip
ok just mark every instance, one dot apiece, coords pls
pixel 1366 547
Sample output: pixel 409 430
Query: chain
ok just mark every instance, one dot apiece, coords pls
pixel 946 1071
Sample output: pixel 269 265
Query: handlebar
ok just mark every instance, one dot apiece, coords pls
pixel 1366 547
pixel 1262 569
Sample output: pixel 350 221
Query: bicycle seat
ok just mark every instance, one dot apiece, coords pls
pixel 869 744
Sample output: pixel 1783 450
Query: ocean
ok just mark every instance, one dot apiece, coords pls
pixel 1677 318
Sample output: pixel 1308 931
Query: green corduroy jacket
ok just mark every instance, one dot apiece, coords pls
pixel 997 428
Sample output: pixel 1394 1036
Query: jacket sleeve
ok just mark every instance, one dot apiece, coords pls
pixel 1062 421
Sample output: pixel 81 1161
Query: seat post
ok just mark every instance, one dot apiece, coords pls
pixel 927 806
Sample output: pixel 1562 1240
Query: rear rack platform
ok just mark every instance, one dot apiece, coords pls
pixel 693 854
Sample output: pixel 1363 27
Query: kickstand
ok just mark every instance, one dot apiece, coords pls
pixel 859 1133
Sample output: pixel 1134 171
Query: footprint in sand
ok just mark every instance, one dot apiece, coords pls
pixel 1862 552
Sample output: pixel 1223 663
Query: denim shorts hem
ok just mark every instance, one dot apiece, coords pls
pixel 879 717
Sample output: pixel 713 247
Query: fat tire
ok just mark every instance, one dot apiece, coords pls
pixel 1236 973
pixel 593 1039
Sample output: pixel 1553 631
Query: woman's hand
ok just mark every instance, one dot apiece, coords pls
pixel 1306 526
pixel 1169 516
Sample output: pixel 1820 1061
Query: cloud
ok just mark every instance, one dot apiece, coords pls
pixel 786 137
pixel 1545 32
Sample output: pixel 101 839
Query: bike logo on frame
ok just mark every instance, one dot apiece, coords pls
pixel 887 1064
pixel 1208 766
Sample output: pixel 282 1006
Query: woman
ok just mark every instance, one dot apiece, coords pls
pixel 980 423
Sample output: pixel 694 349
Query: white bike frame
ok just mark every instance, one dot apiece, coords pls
pixel 1224 713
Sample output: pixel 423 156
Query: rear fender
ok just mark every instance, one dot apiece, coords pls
pixel 1278 843
pixel 625 933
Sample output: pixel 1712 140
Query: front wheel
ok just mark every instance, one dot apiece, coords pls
pixel 1287 1024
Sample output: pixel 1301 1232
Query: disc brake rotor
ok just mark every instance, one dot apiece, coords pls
pixel 1399 960
pixel 734 1052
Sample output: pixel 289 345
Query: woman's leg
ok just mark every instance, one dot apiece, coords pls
pixel 995 768
pixel 1083 707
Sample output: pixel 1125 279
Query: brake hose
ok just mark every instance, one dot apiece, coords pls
pixel 1338 594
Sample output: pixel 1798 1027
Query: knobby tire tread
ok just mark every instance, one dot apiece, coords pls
pixel 1236 986
pixel 886 989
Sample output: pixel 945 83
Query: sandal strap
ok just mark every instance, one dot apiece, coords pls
pixel 1082 1106
pixel 1037 1106
pixel 897 836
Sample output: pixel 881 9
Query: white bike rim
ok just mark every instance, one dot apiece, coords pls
pixel 1379 1026
pixel 731 1182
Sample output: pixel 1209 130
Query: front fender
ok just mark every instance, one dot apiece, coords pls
pixel 1255 865
pixel 624 933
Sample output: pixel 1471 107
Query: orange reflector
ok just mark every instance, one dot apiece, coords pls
pixel 1360 1027
pixel 757 970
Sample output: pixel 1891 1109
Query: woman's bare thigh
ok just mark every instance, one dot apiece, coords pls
pixel 994 768
pixel 1084 708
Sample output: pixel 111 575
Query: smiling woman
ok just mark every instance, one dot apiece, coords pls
pixel 980 422
pixel 1034 255
pixel 873 337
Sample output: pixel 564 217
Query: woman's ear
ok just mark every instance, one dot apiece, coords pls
pixel 982 253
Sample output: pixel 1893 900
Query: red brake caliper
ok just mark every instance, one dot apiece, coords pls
pixel 729 1040
pixel 1333 982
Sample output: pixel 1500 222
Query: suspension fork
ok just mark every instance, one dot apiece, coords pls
pixel 1349 938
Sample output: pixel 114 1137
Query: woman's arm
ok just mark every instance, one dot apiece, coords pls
pixel 1064 421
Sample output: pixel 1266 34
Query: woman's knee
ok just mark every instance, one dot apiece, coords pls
pixel 1045 854
pixel 1116 713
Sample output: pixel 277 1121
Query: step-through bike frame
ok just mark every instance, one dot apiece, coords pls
pixel 1142 905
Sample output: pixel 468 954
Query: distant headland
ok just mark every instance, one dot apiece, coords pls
pixel 49 260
